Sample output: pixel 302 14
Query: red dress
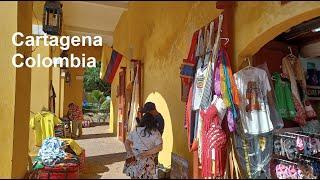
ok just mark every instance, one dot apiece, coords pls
pixel 213 137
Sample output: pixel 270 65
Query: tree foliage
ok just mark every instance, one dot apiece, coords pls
pixel 92 80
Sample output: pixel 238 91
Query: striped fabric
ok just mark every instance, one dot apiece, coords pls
pixel 207 91
pixel 113 65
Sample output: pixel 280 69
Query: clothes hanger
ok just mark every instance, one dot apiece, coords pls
pixel 291 56
pixel 309 157
pixel 227 41
pixel 249 66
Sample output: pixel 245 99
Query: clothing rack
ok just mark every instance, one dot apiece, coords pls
pixel 308 134
pixel 309 157
pixel 283 135
pixel 286 161
pixel 296 134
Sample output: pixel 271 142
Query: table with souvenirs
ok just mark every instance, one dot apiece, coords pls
pixel 59 156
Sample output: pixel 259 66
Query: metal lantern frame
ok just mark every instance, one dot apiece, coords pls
pixel 64 69
pixel 52 17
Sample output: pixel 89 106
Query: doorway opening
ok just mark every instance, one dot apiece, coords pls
pixel 292 64
pixel 96 98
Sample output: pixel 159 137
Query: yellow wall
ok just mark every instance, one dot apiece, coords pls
pixel 39 90
pixel 7 95
pixel 73 91
pixel 160 34
pixel 40 83
pixel 15 91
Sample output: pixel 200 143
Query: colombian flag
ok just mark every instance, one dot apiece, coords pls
pixel 113 65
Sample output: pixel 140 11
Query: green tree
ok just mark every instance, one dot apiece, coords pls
pixel 92 80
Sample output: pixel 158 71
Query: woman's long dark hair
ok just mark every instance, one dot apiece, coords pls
pixel 149 123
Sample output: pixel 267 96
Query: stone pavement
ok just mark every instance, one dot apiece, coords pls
pixel 105 155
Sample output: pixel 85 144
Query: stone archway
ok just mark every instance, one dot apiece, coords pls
pixel 270 28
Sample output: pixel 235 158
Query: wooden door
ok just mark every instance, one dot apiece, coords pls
pixel 122 105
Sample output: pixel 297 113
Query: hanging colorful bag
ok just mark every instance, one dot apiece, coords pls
pixel 187 68
pixel 186 75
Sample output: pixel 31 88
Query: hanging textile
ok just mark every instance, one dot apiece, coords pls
pixel 295 71
pixel 284 101
pixel 134 107
pixel 128 93
pixel 113 65
pixel 229 91
pixel 43 125
pixel 201 73
pixel 207 91
pixel 189 121
pixel 274 114
pixel 52 98
pixel 213 137
pixel 187 69
pixel 253 85
pixel 204 80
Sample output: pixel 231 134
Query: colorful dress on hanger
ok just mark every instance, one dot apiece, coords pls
pixel 284 101
pixel 253 86
pixel 295 71
pixel 213 137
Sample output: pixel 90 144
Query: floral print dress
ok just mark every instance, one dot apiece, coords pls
pixel 144 168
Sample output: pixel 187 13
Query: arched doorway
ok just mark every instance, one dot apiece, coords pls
pixel 270 31
pixel 271 45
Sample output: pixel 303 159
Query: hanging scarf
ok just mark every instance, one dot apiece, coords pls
pixel 295 73
pixel 229 91
pixel 223 84
pixel 217 79
pixel 234 89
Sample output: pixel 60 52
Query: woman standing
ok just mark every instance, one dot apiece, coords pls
pixel 142 145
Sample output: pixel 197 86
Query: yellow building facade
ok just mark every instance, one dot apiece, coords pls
pixel 159 34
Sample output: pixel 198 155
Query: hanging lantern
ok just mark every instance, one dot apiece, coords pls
pixel 64 69
pixel 52 17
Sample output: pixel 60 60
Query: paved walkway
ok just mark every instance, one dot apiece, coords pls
pixel 105 155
